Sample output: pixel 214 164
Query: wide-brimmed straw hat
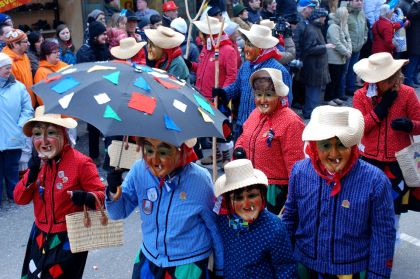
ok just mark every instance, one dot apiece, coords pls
pixel 214 23
pixel 128 48
pixel 378 67
pixel 260 36
pixel 164 37
pixel 40 116
pixel 269 23
pixel 327 122
pixel 277 78
pixel 239 174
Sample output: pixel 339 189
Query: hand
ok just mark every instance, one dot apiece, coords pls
pixel 188 63
pixel 330 46
pixel 219 92
pixel 348 54
pixel 239 153
pixel 81 198
pixel 402 124
pixel 114 179
pixel 381 109
pixel 34 166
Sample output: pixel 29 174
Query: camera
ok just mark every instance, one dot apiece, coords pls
pixel 282 27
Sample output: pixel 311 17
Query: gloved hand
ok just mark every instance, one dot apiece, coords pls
pixel 381 109
pixel 402 124
pixel 188 63
pixel 219 92
pixel 114 179
pixel 81 198
pixel 239 153
pixel 34 166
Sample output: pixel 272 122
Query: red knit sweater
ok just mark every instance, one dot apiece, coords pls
pixel 380 141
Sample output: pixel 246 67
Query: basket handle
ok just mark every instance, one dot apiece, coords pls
pixel 104 219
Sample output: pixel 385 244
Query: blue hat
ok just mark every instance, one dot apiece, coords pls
pixel 307 3
pixel 3 18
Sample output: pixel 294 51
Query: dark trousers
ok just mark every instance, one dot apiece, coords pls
pixel 332 91
pixel 94 135
pixel 9 170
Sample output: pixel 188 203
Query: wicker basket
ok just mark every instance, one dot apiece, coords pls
pixel 409 161
pixel 122 158
pixel 91 229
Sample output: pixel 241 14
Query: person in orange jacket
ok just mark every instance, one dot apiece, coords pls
pixel 17 45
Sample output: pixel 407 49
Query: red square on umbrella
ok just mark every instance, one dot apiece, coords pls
pixel 56 271
pixel 142 103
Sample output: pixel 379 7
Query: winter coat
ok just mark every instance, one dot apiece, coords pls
pixel 15 110
pixel 67 56
pixel 254 16
pixel 350 232
pixel 371 8
pixel 413 31
pixel 21 70
pixel 74 171
pixel 266 14
pixel 242 89
pixel 205 69
pixel 178 68
pixel 314 57
pixel 341 39
pixel 45 68
pixel 383 32
pixel 288 53
pixel 286 147
pixel 268 253
pixel 242 24
pixel 92 52
pixel 178 223
pixel 380 141
pixel 298 34
pixel 358 28
pixel 34 60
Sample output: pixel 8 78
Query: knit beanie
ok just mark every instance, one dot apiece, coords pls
pixel 96 28
pixel 14 36
pixel 5 60
pixel 94 15
pixel 318 13
pixel 179 24
pixel 3 18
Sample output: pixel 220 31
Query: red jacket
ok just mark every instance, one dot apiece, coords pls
pixel 74 171
pixel 205 68
pixel 380 141
pixel 286 148
pixel 383 31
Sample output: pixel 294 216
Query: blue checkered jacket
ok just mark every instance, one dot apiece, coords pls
pixel 345 234
pixel 243 89
pixel 178 223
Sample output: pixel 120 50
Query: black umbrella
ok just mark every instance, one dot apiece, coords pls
pixel 123 99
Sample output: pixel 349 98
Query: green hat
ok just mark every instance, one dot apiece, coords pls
pixel 238 9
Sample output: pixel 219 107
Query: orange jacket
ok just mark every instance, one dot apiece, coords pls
pixel 46 68
pixel 21 69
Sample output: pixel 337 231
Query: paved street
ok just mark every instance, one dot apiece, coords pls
pixel 16 222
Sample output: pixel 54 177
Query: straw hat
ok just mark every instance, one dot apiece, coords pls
pixel 239 174
pixel 327 122
pixel 164 37
pixel 269 23
pixel 128 48
pixel 277 78
pixel 40 116
pixel 260 36
pixel 378 67
pixel 214 23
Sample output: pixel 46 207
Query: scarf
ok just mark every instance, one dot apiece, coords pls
pixel 312 151
pixel 266 54
pixel 187 155
pixel 168 55
pixel 224 40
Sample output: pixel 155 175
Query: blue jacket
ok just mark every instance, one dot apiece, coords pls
pixel 178 224
pixel 68 56
pixel 262 251
pixel 243 89
pixel 345 234
pixel 15 110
